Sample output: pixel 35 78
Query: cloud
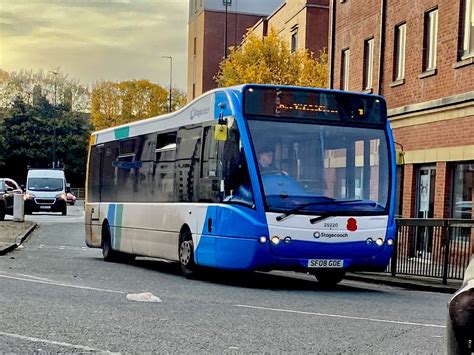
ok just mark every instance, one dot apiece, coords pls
pixel 93 40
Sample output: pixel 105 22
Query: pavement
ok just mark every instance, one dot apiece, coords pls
pixel 12 234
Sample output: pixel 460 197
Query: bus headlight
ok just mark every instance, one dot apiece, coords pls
pixel 275 240
pixel 262 239
pixel 287 240
pixel 379 242
pixel 389 242
pixel 369 241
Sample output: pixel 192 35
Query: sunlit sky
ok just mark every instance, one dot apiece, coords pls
pixel 95 40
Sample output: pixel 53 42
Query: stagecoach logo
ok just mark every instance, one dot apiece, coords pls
pixel 195 112
pixel 318 235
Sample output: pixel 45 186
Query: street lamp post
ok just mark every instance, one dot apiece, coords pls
pixel 55 73
pixel 171 75
pixel 226 3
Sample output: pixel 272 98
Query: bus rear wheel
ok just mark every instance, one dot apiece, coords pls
pixel 110 254
pixel 329 278
pixel 186 255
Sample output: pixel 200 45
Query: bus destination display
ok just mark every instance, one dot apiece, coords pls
pixel 314 104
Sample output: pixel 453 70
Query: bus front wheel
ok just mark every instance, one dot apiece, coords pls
pixel 186 255
pixel 329 278
pixel 112 255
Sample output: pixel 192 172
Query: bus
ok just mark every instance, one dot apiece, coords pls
pixel 251 177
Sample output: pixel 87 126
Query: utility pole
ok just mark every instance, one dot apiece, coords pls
pixel 171 76
pixel 226 3
pixel 55 73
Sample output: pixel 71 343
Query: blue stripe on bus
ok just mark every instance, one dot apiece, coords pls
pixel 111 220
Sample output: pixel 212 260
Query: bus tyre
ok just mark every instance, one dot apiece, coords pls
pixel 64 210
pixel 2 214
pixel 107 252
pixel 329 278
pixel 186 255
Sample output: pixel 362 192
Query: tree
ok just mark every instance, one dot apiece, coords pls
pixel 27 133
pixel 57 87
pixel 269 61
pixel 127 101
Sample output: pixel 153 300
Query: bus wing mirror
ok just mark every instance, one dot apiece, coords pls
pixel 220 132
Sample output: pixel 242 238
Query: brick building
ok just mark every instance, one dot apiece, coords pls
pixel 303 23
pixel 420 56
pixel 213 26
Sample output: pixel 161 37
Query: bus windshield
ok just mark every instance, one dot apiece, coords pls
pixel 312 167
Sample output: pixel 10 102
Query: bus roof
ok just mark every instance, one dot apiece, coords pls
pixel 211 105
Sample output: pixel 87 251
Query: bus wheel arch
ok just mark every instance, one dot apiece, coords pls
pixel 106 243
pixel 186 254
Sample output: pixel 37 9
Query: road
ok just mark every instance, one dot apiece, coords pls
pixel 57 295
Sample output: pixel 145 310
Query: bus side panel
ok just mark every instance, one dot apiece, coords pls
pixel 233 243
pixel 93 225
pixel 154 228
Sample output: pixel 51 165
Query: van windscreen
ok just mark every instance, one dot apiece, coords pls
pixel 45 184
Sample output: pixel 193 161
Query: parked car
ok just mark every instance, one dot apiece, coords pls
pixel 71 199
pixel 8 188
pixel 460 327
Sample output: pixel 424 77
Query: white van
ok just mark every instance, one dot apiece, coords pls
pixel 45 191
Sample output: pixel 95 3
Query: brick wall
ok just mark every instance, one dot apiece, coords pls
pixel 448 80
pixel 450 133
pixel 357 20
pixel 213 45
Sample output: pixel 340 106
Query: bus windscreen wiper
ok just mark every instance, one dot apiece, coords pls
pixel 304 205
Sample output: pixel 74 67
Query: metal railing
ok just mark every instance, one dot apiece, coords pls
pixel 438 248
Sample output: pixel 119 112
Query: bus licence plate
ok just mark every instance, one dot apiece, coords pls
pixel 325 263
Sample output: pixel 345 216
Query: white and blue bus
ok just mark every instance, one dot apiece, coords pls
pixel 252 177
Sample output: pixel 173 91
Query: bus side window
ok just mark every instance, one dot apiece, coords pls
pixel 142 187
pixel 124 166
pixel 163 171
pixel 109 188
pixel 208 187
pixel 187 163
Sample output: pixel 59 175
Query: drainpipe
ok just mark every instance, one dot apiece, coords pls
pixel 332 44
pixel 383 10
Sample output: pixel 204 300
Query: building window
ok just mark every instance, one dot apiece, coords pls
pixel 430 40
pixel 400 42
pixel 463 180
pixel 345 69
pixel 294 40
pixel 368 64
pixel 467 34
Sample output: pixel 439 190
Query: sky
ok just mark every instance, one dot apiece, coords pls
pixel 96 40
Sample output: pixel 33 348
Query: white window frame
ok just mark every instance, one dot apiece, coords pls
pixel 368 70
pixel 345 65
pixel 468 29
pixel 400 49
pixel 431 40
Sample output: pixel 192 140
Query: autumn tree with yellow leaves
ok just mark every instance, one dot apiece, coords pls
pixel 269 61
pixel 114 103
